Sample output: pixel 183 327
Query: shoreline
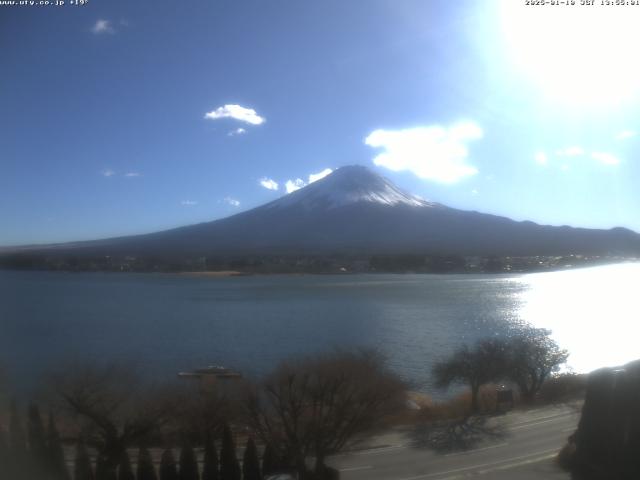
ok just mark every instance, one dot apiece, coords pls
pixel 239 273
pixel 217 273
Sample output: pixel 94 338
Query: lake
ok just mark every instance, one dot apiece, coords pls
pixel 165 323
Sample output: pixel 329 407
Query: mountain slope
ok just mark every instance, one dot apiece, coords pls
pixel 354 210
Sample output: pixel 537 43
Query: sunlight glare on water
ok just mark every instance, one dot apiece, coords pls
pixel 592 312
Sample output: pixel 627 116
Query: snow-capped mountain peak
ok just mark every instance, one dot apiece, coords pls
pixel 350 185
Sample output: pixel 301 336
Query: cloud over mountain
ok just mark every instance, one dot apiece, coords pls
pixel 433 153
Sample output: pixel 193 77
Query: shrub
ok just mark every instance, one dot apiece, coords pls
pixel 188 464
pixel 250 463
pixel 168 468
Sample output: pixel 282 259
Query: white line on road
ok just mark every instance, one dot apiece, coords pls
pixel 353 469
pixel 373 451
pixel 530 458
pixel 533 424
pixel 467 452
pixel 517 464
pixel 529 420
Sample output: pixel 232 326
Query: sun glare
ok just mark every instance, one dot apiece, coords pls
pixel 591 312
pixel 578 54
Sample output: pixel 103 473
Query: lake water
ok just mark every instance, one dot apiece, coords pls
pixel 167 323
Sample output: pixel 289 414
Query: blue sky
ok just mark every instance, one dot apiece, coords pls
pixel 122 117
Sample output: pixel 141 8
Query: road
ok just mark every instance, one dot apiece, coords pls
pixel 525 451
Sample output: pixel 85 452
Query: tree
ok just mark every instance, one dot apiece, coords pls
pixel 168 467
pixel 145 470
pixel 17 441
pixel 250 462
pixel 36 438
pixel 125 470
pixel 115 408
pixel 18 460
pixel 82 466
pixel 210 467
pixel 229 466
pixel 188 464
pixel 316 406
pixel 56 461
pixel 203 411
pixel 532 356
pixel 483 364
pixel 269 460
pixel 6 467
pixel 103 472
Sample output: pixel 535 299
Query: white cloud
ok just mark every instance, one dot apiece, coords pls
pixel 242 114
pixel 107 172
pixel 433 153
pixel 131 174
pixel 564 157
pixel 541 158
pixel 188 203
pixel 231 201
pixel 293 185
pixel 626 134
pixel 314 177
pixel 605 158
pixel 474 192
pixel 298 183
pixel 269 183
pixel 573 151
pixel 102 26
pixel 237 131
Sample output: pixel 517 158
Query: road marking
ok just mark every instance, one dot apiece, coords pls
pixel 517 464
pixel 530 459
pixel 533 424
pixel 353 469
pixel 467 452
pixel 373 451
pixel 535 419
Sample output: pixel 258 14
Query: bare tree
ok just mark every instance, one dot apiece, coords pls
pixel 476 366
pixel 316 406
pixel 201 414
pixel 114 408
pixel 533 356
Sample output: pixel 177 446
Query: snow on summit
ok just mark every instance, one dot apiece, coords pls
pixel 349 185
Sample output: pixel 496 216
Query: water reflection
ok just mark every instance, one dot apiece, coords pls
pixel 593 312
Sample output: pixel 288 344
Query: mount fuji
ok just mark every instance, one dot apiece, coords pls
pixel 354 210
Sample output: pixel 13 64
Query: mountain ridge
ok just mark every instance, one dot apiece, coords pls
pixel 355 210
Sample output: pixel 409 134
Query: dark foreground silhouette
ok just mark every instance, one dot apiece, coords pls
pixel 606 445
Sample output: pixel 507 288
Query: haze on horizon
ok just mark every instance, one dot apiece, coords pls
pixel 121 118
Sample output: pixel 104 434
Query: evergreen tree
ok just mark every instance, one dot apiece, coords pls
pixel 210 468
pixel 146 471
pixel 125 471
pixel 168 469
pixel 36 437
pixel 6 466
pixel 103 470
pixel 188 464
pixel 17 444
pixel 269 461
pixel 55 452
pixel 250 462
pixel 3 447
pixel 82 467
pixel 229 466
